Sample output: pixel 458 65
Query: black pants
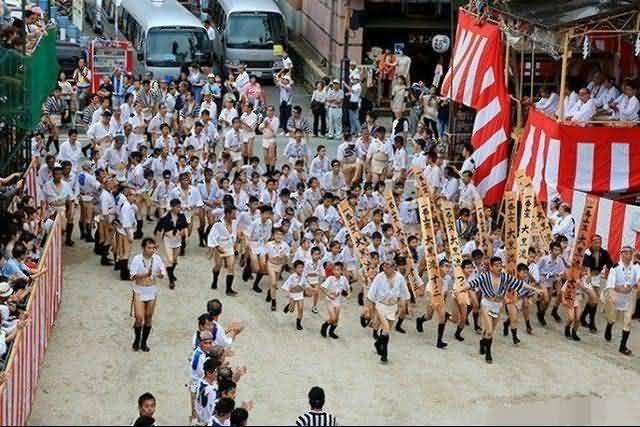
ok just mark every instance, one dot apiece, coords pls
pixel 433 125
pixel 285 113
pixel 320 120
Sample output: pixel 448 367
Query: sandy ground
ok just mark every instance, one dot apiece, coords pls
pixel 90 375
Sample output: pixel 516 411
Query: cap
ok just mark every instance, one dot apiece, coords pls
pixel 5 290
pixel 119 138
pixel 107 113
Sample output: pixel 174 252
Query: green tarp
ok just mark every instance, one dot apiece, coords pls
pixel 26 81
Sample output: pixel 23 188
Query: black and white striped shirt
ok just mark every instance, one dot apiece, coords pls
pixel 316 419
pixel 484 285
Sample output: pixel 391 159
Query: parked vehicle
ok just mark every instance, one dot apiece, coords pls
pixel 246 32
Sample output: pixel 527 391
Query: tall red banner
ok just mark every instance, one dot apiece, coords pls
pixel 476 79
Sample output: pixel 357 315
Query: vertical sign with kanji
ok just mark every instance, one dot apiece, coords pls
pixel 454 242
pixel 398 230
pixel 511 229
pixel 430 249
pixel 527 215
pixel 360 244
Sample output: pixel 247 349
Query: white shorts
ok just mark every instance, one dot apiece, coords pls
pixel 493 308
pixel 171 242
pixel 146 293
pixel 296 296
pixel 387 312
pixel 622 302
pixel 268 143
pixel 336 303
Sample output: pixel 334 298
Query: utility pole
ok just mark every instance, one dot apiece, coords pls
pixel 344 65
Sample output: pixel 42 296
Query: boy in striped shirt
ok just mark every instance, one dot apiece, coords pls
pixel 493 286
pixel 316 417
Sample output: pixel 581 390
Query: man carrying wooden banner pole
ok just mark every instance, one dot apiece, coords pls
pixel 434 291
pixel 413 280
pixel 460 285
pixel 362 252
pixel 521 301
pixel 574 293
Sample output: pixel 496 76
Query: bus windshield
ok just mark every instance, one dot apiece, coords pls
pixel 255 30
pixel 173 47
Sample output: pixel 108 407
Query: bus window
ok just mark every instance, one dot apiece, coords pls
pixel 175 47
pixel 259 30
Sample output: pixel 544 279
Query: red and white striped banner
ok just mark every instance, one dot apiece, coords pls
pixel 570 161
pixel 617 223
pixel 23 367
pixel 561 158
pixel 31 181
pixel 476 79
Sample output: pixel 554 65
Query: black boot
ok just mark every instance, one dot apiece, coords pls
pixel 583 316
pixel 125 276
pixel 567 331
pixel 268 297
pixel 505 328
pixel 299 325
pixel 541 318
pixel 97 247
pixel 483 346
pixel 384 347
pixel 399 326
pixel 332 332
pixel 377 343
pixel 487 356
pixel 146 330
pixel 256 284
pixel 323 329
pixel 138 233
pixel 555 315
pixel 183 246
pixel 137 330
pixel 593 310
pixel 458 334
pixel 623 344
pixel 246 273
pixel 172 278
pixel 83 233
pixel 361 299
pixel 69 232
pixel 230 292
pixel 420 323
pixel 274 305
pixel 104 257
pixel 441 344
pixel 201 237
pixel 285 310
pixel 529 328
pixel 88 235
pixel 476 324
pixel 363 321
pixel 514 336
pixel 214 282
pixel 574 335
pixel 608 332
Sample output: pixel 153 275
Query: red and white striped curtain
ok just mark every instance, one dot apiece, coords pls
pixel 23 368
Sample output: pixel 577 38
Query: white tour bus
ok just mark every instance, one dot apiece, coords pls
pixel 165 34
pixel 246 32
